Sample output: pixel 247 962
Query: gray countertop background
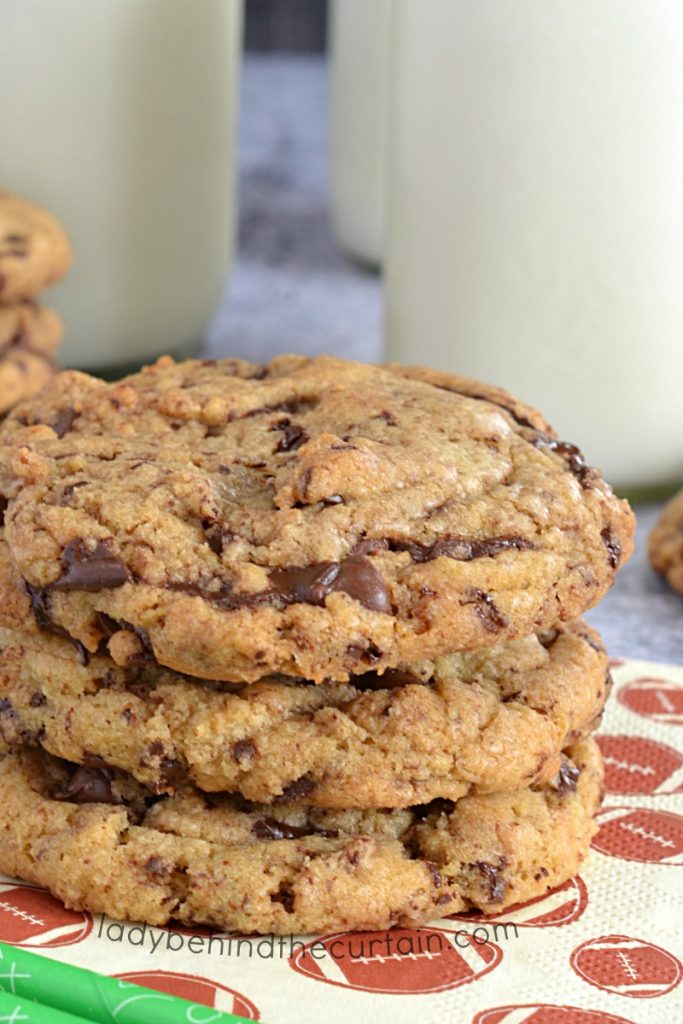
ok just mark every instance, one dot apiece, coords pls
pixel 292 290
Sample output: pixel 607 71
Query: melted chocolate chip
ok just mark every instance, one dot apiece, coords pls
pixel 488 613
pixel 37 699
pixel 296 790
pixel 3 508
pixel 613 547
pixel 461 549
pixel 90 570
pixel 492 874
pixel 572 455
pixel 88 786
pixel 311 584
pixel 333 499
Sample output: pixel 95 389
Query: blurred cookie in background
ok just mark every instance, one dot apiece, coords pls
pixel 666 543
pixel 35 251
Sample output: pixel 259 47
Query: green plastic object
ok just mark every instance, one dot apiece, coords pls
pixel 63 994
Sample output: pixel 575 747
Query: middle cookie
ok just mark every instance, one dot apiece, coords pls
pixel 489 721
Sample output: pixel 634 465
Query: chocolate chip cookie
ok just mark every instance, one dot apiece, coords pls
pixel 29 336
pixel 666 543
pixel 27 327
pixel 494 720
pixel 98 843
pixel 312 517
pixel 34 249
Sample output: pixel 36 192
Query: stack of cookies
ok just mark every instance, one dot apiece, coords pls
pixel 34 254
pixel 296 647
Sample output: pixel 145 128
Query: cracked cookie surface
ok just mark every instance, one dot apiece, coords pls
pixel 491 721
pixel 313 517
pixel 97 842
pixel 34 249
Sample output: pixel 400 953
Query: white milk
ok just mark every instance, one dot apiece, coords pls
pixel 361 37
pixel 118 115
pixel 536 213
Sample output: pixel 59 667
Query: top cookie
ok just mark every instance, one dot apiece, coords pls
pixel 34 249
pixel 311 517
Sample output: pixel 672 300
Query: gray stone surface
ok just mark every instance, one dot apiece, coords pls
pixel 292 290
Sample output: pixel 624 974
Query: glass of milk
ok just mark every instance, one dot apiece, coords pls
pixel 361 38
pixel 119 116
pixel 536 213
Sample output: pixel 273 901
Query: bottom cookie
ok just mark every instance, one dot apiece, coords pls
pixel 99 841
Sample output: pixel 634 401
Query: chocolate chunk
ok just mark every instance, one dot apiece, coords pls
pixel 392 679
pixel 296 790
pixel 333 499
pixel 37 699
pixel 492 874
pixel 311 584
pixel 90 570
pixel 572 455
pixel 217 535
pixel 64 422
pixel 244 751
pixel 566 778
pixel 292 438
pixel 613 547
pixel 3 508
pixel 491 617
pixel 88 786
